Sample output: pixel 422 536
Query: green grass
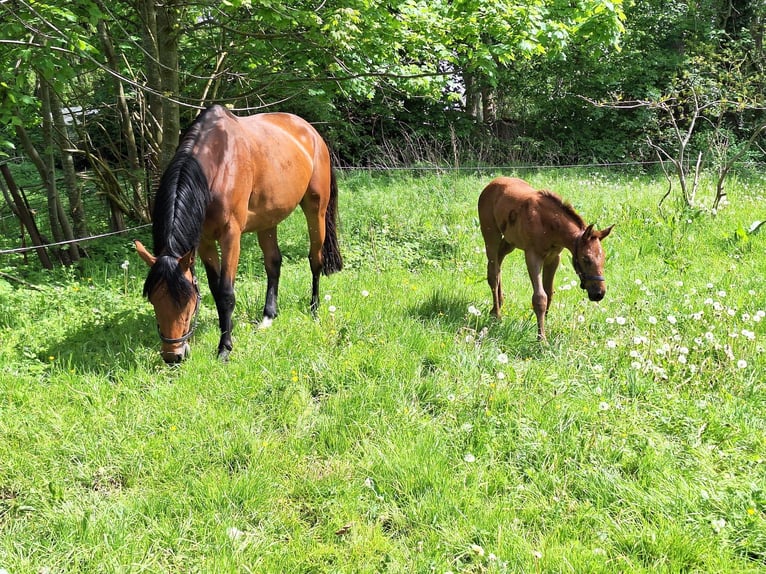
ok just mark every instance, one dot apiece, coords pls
pixel 399 432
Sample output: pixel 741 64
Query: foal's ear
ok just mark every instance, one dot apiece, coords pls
pixel 603 233
pixel 187 261
pixel 144 254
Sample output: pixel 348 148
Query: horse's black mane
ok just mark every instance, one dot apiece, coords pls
pixel 179 210
pixel 564 205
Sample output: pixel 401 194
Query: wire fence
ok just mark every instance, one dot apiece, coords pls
pixel 372 168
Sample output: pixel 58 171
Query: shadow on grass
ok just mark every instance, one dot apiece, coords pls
pixel 451 312
pixel 105 344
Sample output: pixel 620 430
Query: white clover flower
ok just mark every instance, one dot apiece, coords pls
pixel 125 265
pixel 502 358
pixel 473 310
pixel 365 293
pixel 603 406
pixel 652 320
pixel 469 457
pixel 327 297
pixel 672 319
pixel 718 524
pixel 234 533
pixel 620 320
pixel 682 359
pixel 478 550
pixel 611 344
pixel 332 308
pixel 742 364
pixel 635 365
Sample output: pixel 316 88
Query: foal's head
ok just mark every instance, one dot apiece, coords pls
pixel 171 288
pixel 588 261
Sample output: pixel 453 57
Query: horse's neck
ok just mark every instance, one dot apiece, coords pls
pixel 563 229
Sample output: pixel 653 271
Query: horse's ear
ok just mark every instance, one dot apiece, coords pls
pixel 187 261
pixel 604 232
pixel 588 233
pixel 144 254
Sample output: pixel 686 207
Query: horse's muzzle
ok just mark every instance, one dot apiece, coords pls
pixel 176 356
pixel 596 295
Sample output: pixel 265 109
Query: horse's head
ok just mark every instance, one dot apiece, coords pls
pixel 588 261
pixel 171 288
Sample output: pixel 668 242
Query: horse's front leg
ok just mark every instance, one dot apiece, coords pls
pixel 539 296
pixel 272 261
pixel 549 272
pixel 223 292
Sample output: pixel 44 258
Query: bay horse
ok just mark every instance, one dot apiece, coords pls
pixel 232 175
pixel 513 215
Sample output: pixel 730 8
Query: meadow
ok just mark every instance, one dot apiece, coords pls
pixel 403 430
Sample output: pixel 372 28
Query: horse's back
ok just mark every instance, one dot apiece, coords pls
pixel 501 199
pixel 259 167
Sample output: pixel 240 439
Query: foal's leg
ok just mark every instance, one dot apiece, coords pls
pixel 272 261
pixel 549 271
pixel 539 296
pixel 496 249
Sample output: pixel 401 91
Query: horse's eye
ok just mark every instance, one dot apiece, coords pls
pixel 587 260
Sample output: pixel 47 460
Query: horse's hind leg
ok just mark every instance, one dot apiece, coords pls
pixel 315 219
pixel 496 248
pixel 272 261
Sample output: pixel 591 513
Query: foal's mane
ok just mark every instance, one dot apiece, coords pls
pixel 565 206
pixel 179 210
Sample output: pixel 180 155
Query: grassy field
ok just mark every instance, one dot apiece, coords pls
pixel 403 430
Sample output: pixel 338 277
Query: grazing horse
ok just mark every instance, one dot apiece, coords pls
pixel 231 175
pixel 514 215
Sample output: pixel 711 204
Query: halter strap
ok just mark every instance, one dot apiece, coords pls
pixel 185 337
pixel 576 263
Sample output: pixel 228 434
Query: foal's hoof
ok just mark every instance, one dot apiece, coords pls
pixel 223 355
pixel 265 323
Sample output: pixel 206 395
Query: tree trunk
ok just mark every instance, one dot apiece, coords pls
pixel 140 201
pixel 153 110
pixel 167 37
pixel 19 207
pixel 60 228
pixel 64 144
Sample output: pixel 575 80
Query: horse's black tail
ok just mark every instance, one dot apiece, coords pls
pixel 330 251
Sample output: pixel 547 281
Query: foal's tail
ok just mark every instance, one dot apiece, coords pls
pixel 330 251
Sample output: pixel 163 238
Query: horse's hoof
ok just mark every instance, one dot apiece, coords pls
pixel 265 323
pixel 223 355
